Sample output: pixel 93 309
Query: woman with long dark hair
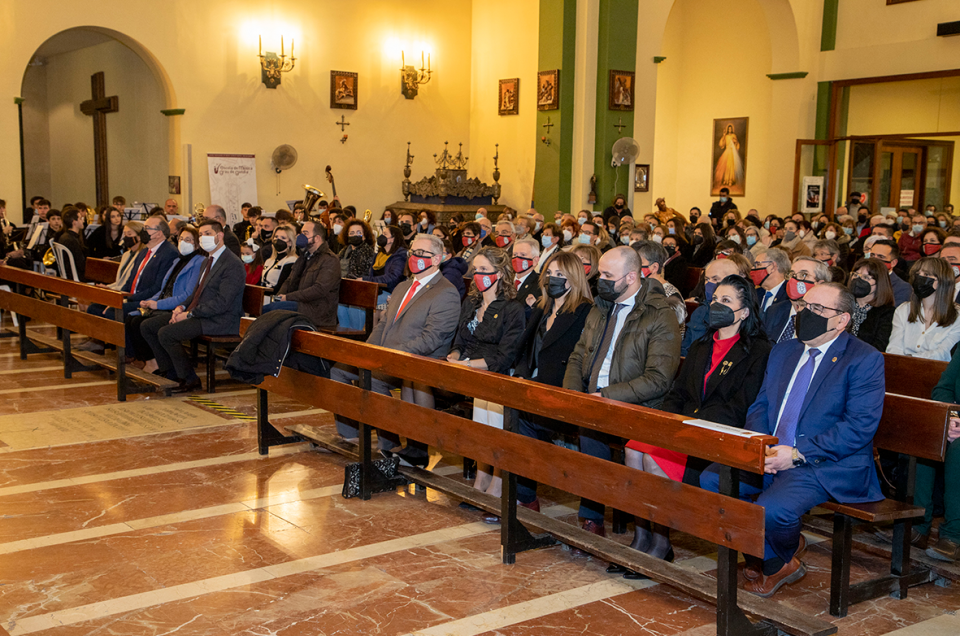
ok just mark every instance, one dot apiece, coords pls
pixel 718 382
pixel 927 326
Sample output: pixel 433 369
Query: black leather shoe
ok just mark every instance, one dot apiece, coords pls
pixel 188 386
pixel 616 568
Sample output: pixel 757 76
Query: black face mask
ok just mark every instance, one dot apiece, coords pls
pixel 144 237
pixel 811 326
pixel 354 240
pixel 671 249
pixel 697 239
pixel 382 240
pixel 129 242
pixel 280 245
pixel 619 206
pixel 861 219
pixel 860 288
pixel 923 287
pixel 694 218
pixel 406 228
pixel 265 235
pixel 721 316
pixel 731 222
pixel 556 287
pixel 607 289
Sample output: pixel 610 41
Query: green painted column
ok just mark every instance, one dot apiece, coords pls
pixel 557 50
pixel 828 32
pixel 617 51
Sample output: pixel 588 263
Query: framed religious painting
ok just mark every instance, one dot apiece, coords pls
pixel 729 168
pixel 509 97
pixel 343 90
pixel 641 178
pixel 621 90
pixel 548 90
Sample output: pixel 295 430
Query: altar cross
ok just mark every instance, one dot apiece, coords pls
pixel 98 107
pixel 342 123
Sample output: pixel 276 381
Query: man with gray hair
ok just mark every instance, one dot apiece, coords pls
pixel 769 274
pixel 631 318
pixel 526 257
pixel 421 318
pixel 805 274
pixel 505 235
pixel 219 215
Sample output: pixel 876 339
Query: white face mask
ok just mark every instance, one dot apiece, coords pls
pixel 208 243
pixel 581 220
pixel 246 258
pixel 186 249
pixel 802 233
pixel 657 238
pixel 539 225
pixel 567 235
pixel 735 238
pixel 830 235
pixel 337 228
pixel 625 239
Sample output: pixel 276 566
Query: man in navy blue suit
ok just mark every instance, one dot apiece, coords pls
pixel 769 274
pixel 822 396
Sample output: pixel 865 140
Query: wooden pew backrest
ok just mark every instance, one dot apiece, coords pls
pixel 914 427
pixel 253 300
pixel 101 270
pixel 914 377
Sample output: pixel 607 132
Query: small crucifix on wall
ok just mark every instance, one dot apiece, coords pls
pixel 98 107
pixel 342 123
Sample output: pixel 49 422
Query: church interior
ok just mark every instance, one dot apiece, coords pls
pixel 157 514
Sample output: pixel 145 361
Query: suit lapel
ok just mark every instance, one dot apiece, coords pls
pixel 733 357
pixel 415 298
pixel 560 326
pixel 827 365
pixel 789 365
pixel 701 364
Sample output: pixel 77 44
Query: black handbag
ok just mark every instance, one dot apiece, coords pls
pixel 385 477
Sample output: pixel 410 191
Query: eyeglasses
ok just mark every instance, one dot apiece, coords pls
pixel 422 254
pixel 865 277
pixel 798 276
pixel 815 308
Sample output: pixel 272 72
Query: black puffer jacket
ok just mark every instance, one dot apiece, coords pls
pixel 266 345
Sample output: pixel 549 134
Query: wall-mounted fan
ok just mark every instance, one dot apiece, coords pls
pixel 625 151
pixel 283 158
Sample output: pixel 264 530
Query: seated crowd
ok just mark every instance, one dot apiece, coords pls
pixel 787 322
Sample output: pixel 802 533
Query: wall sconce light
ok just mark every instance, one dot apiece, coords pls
pixel 412 78
pixel 271 66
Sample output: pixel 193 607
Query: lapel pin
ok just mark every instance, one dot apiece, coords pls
pixel 834 360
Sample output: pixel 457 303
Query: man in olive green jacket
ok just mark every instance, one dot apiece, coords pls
pixel 629 351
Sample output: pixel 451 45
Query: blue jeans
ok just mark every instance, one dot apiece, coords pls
pixel 288 305
pixel 785 498
pixel 350 317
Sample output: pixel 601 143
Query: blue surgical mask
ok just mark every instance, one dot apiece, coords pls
pixel 751 240
pixel 708 290
pixel 899 219
pixel 671 230
pixel 917 228
pixel 584 239
pixel 943 224
pixel 302 242
pixel 848 231
pixel 581 220
pixel 483 234
pixel 546 241
pixel 723 199
pixel 478 216
pixel 766 225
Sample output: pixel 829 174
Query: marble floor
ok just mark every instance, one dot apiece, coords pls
pixel 140 519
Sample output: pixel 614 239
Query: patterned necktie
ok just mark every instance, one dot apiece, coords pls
pixel 787 427
pixel 604 347
pixel 790 331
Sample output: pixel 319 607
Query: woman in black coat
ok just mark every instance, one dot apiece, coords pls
pixel 106 241
pixel 872 321
pixel 489 337
pixel 553 330
pixel 718 382
pixel 704 242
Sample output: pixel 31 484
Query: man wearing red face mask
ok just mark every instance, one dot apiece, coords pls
pixel 805 273
pixel 420 318
pixel 526 257
pixel 505 235
pixel 769 274
pixel 889 254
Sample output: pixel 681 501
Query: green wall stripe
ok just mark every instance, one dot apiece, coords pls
pixel 617 50
pixel 823 110
pixel 828 33
pixel 173 111
pixel 557 50
pixel 787 76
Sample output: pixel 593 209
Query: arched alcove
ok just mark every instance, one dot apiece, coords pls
pixel 58 137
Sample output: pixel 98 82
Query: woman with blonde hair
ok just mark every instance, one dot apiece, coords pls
pixel 284 255
pixel 489 337
pixel 927 326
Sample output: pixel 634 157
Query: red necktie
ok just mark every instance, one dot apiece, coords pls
pixel 406 299
pixel 518 283
pixel 136 277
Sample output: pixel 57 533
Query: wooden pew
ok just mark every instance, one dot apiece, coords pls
pixel 914 377
pixel 71 320
pixel 924 438
pixel 722 519
pixel 691 280
pixel 252 306
pixel 357 293
pixel 101 270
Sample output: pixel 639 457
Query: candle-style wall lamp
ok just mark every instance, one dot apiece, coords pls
pixel 272 65
pixel 412 78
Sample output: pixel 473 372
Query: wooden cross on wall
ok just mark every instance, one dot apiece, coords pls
pixel 98 107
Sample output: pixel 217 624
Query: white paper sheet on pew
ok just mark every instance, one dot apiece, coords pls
pixel 722 428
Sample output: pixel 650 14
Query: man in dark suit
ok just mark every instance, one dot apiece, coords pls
pixel 214 309
pixel 218 214
pixel 888 252
pixel 769 274
pixel 951 253
pixel 721 207
pixel 313 287
pixel 822 396
pixel 421 318
pixel 526 257
pixel 779 320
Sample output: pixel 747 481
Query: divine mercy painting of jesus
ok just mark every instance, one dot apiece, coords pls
pixel 729 156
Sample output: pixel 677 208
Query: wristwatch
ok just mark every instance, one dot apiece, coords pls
pixel 798 459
